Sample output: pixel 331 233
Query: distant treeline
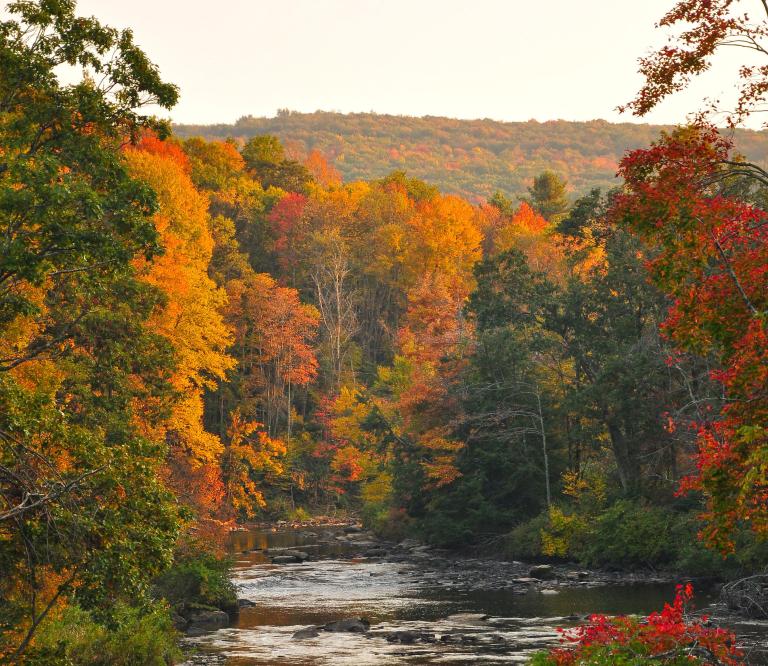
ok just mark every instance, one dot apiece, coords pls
pixel 472 158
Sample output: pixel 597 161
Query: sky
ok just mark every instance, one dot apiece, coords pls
pixel 501 59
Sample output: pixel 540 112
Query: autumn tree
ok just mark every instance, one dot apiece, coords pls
pixel 332 277
pixel 704 30
pixel 286 228
pixel 703 209
pixel 252 461
pixel 191 318
pixel 711 257
pixel 274 333
pixel 324 173
pixel 214 165
pixel 83 514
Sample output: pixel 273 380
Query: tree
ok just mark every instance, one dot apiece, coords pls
pixel 324 173
pixel 62 177
pixel 191 319
pixel 548 196
pixel 286 228
pixel 711 254
pixel 707 28
pixel 76 353
pixel 274 332
pixel 252 459
pixel 263 150
pixel 264 157
pixel 331 275
pixel 214 165
pixel 509 395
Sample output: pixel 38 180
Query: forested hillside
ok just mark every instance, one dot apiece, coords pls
pixel 472 158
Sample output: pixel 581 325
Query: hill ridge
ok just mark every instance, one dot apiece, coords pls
pixel 472 158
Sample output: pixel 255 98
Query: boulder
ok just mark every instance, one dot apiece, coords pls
pixel 408 544
pixel 293 552
pixel 357 537
pixel 542 572
pixel 364 544
pixel 245 603
pixel 179 623
pixel 352 529
pixel 352 624
pixel 468 618
pixel 375 552
pixel 307 632
pixel 410 637
pixel 203 621
pixel 286 559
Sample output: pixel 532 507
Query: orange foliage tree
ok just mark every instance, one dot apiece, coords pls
pixel 274 332
pixel 190 319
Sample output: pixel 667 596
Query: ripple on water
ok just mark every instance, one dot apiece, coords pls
pixel 338 584
pixel 483 644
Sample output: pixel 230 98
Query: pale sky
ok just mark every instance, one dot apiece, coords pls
pixel 499 59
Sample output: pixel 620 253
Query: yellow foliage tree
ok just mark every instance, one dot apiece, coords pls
pixel 250 456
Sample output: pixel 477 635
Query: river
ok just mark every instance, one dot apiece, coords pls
pixel 424 606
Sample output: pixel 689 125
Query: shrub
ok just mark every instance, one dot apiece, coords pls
pixel 668 638
pixel 632 534
pixel 562 533
pixel 524 541
pixel 299 514
pixel 629 534
pixel 139 637
pixel 199 579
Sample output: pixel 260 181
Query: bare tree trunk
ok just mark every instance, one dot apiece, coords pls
pixel 544 446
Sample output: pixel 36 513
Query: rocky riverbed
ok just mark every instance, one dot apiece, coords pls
pixel 338 595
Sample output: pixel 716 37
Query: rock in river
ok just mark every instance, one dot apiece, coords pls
pixel 375 552
pixel 290 557
pixel 542 572
pixel 409 637
pixel 203 621
pixel 307 632
pixel 355 625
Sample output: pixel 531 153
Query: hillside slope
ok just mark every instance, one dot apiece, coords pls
pixel 474 158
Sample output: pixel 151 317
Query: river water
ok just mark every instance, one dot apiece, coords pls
pixel 424 607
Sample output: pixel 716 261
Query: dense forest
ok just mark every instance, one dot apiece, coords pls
pixel 196 331
pixel 471 158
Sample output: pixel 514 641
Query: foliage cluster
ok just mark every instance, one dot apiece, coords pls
pixel 667 637
pixel 631 535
